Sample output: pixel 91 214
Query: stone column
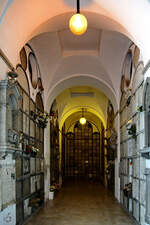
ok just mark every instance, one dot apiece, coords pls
pixel 147 216
pixel 3 111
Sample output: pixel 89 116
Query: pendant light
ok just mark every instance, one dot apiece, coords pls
pixel 78 22
pixel 82 119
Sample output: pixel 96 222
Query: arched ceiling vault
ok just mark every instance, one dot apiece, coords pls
pixel 78 110
pixel 20 19
pixel 97 54
pixel 90 117
pixel 82 80
pixel 44 24
pixel 73 100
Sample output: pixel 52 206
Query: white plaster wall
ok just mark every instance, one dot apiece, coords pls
pixel 3 69
pixel 113 49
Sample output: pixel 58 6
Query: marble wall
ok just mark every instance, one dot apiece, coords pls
pixel 133 147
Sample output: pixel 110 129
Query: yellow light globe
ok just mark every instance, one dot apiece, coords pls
pixel 78 24
pixel 82 120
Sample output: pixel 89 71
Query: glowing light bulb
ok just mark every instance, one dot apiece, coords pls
pixel 78 24
pixel 82 120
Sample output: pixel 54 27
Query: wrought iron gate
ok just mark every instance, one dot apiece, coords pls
pixel 82 156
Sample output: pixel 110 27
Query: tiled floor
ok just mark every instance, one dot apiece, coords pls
pixel 82 203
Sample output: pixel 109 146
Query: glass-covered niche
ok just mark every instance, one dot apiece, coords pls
pixel 29 163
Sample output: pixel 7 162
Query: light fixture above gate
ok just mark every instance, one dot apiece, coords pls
pixel 82 119
pixel 78 22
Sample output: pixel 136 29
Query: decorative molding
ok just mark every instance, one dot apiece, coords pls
pixel 147 171
pixel 146 67
pixel 13 137
pixel 6 60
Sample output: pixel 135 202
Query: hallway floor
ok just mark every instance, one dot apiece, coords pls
pixel 82 203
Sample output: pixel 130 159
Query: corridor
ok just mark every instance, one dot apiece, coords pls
pixel 82 203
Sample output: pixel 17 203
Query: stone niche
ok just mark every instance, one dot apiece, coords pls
pixel 9 139
pixel 9 97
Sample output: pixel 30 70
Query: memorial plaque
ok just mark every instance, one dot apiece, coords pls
pixel 142 120
pixel 130 205
pixel 142 215
pixel 26 166
pixel 26 208
pixel 136 167
pixel 147 215
pixel 33 184
pixel 25 124
pixel 130 147
pixel 136 210
pixel 26 187
pixel 135 188
pixel 138 143
pixel 38 179
pixel 32 129
pixel 142 192
pixel 32 165
pixel 42 165
pixel 142 140
pixel 142 168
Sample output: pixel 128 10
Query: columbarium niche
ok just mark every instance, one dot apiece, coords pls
pixel 146 151
pixel 132 146
pixel 22 122
pixel 13 112
pixel 9 139
pixel 147 215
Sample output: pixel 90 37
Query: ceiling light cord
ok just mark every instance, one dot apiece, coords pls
pixel 82 113
pixel 78 6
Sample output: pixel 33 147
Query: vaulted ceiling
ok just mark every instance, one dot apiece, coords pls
pixel 94 59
